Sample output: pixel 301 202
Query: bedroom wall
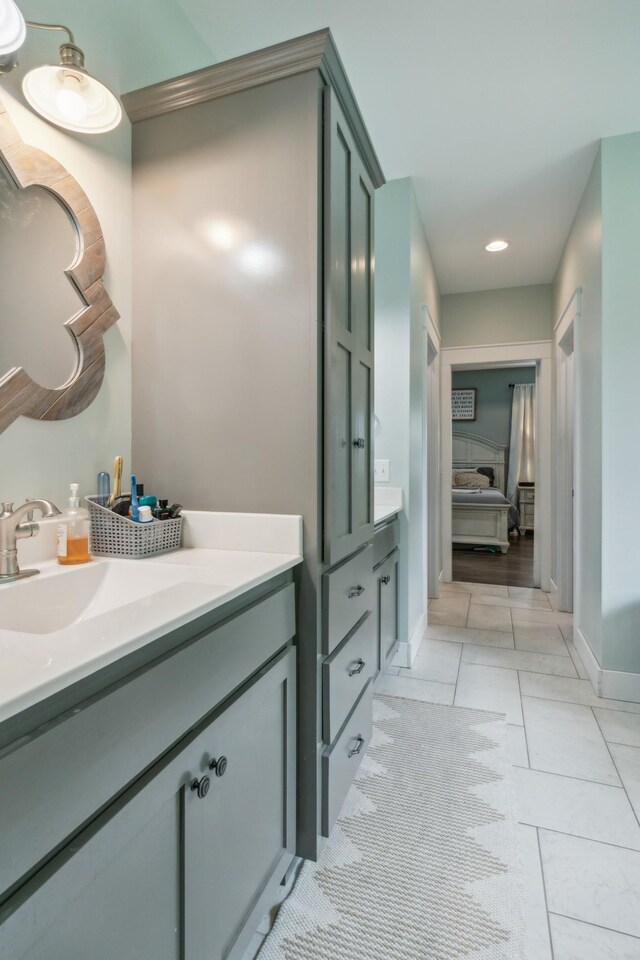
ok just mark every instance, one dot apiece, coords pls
pixel 511 315
pixel 126 45
pixel 493 400
pixel 581 266
pixel 404 280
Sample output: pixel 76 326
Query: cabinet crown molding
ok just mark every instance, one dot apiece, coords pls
pixel 314 51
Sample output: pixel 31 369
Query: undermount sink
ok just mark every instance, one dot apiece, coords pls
pixel 51 602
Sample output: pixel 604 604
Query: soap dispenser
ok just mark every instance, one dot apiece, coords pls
pixel 73 531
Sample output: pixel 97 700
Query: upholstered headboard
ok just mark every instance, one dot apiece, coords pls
pixel 469 451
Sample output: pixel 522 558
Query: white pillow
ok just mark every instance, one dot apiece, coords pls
pixel 470 478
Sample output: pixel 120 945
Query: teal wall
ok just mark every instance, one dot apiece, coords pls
pixel 493 400
pixel 404 281
pixel 581 266
pixel 620 447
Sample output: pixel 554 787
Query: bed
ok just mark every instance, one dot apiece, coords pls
pixel 481 517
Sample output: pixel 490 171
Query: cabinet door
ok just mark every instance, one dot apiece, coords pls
pixel 114 892
pixel 240 837
pixel 387 574
pixel 348 321
pixel 164 873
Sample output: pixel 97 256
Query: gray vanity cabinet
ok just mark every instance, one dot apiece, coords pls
pixel 348 506
pixel 183 865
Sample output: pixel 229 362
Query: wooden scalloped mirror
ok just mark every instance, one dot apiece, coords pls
pixel 51 366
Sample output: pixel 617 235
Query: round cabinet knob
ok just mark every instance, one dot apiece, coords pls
pixel 201 786
pixel 386 579
pixel 219 765
pixel 359 443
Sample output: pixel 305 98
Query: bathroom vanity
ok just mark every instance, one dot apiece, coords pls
pixel 148 761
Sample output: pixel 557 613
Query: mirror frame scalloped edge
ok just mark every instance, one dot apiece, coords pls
pixel 19 394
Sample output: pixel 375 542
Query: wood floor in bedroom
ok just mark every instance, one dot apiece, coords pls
pixel 514 568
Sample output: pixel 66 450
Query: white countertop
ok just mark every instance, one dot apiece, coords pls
pixel 224 556
pixel 387 502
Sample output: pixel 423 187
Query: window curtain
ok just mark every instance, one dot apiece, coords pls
pixel 523 438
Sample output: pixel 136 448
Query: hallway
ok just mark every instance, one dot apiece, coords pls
pixel 576 761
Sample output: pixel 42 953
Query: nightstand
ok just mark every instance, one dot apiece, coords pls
pixel 527 502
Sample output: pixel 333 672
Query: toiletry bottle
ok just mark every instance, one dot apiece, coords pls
pixel 73 531
pixel 135 509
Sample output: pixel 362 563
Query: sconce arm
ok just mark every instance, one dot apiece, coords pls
pixel 50 26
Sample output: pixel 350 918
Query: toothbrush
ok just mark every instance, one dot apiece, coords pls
pixel 117 479
pixel 135 510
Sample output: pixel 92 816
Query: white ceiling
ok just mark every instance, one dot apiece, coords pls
pixel 493 107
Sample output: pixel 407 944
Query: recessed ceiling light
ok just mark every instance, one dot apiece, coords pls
pixel 496 246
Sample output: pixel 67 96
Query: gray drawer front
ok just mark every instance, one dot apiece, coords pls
pixel 338 768
pixel 387 577
pixel 341 684
pixel 114 737
pixel 347 595
pixel 385 540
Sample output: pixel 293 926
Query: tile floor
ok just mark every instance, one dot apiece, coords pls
pixel 576 761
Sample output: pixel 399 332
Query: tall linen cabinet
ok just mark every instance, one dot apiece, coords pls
pixel 253 349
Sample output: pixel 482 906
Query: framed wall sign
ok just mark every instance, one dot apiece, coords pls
pixel 463 404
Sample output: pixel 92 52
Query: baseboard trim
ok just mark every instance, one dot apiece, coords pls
pixel 619 685
pixel 587 656
pixel 407 650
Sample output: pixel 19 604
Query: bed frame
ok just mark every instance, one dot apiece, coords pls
pixel 482 524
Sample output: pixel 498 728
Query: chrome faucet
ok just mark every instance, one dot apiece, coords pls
pixel 14 528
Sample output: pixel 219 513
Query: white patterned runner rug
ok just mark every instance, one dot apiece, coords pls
pixel 423 862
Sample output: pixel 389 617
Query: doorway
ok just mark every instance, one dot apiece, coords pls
pixel 565 441
pixel 539 354
pixel 493 474
pixel 432 452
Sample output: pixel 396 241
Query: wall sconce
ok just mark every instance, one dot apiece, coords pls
pixel 13 30
pixel 65 94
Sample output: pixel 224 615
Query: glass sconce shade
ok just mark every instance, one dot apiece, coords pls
pixel 69 97
pixel 13 29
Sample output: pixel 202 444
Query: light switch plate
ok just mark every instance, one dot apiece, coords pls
pixel 381 471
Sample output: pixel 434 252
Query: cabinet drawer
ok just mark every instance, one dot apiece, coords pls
pixel 341 761
pixel 345 674
pixel 112 738
pixel 526 495
pixel 387 579
pixel 347 595
pixel 385 540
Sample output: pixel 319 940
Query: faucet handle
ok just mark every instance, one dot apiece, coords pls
pixel 7 508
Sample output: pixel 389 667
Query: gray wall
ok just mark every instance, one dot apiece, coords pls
pixel 493 400
pixel 405 280
pixel 512 315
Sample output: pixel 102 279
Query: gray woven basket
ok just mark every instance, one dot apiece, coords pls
pixel 116 536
